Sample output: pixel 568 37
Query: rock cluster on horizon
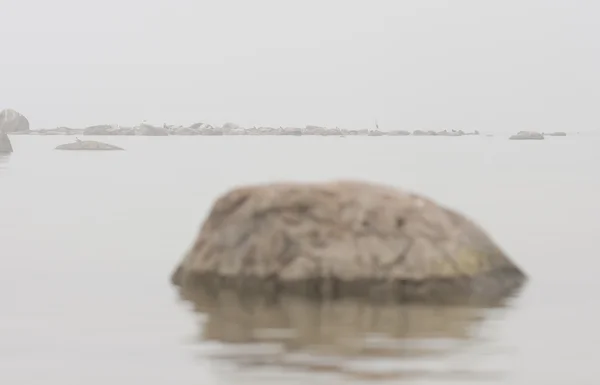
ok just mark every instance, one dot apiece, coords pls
pixel 203 129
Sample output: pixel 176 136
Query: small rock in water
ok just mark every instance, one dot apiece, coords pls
pixel 85 145
pixel 345 239
pixel 527 135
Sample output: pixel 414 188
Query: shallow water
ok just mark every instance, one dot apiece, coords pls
pixel 88 242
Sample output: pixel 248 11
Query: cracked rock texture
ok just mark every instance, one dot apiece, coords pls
pixel 345 238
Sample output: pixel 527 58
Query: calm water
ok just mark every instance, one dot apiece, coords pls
pixel 88 242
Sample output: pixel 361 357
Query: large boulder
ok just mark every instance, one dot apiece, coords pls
pixel 12 121
pixel 5 145
pixel 527 135
pixel 343 239
pixel 85 145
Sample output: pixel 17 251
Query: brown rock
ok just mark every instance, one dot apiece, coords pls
pixel 345 239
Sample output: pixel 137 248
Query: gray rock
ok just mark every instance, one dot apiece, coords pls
pixel 376 133
pixel 185 131
pixel 291 131
pixel 12 121
pixel 102 129
pixel 5 145
pixel 126 131
pixel 60 131
pixel 228 127
pixel 313 130
pixel 330 240
pixel 263 131
pixel 209 130
pixel 450 133
pixel 527 135
pixel 88 145
pixel 237 131
pixel 398 133
pixel 556 134
pixel 150 130
pixel 424 133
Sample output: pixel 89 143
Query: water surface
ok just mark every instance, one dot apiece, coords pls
pixel 88 241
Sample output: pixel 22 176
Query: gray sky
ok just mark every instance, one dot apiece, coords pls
pixel 491 65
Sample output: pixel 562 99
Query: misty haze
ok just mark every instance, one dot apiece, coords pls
pixel 254 192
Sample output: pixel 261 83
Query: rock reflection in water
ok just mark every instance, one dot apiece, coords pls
pixel 349 337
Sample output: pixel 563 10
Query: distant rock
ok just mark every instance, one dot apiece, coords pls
pixel 314 130
pixel 103 129
pixel 290 131
pixel 424 133
pixel 5 145
pixel 149 130
pixel 450 133
pixel 262 131
pixel 556 134
pixel 332 132
pixel 398 133
pixel 527 135
pixel 345 239
pixel 126 131
pixel 209 130
pixel 229 127
pixel 11 122
pixel 376 133
pixel 85 145
pixel 188 131
pixel 59 131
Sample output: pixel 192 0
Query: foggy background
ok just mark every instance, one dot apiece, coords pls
pixel 411 64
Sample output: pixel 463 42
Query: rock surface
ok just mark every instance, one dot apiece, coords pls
pixel 5 145
pixel 150 130
pixel 527 135
pixel 424 133
pixel 398 133
pixel 84 145
pixel 556 134
pixel 12 121
pixel 341 239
